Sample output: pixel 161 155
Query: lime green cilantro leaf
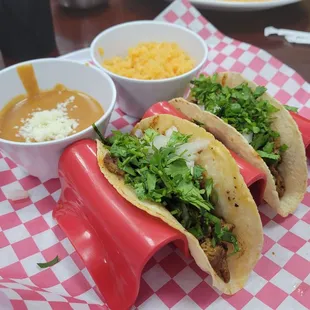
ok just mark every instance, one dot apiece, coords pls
pixel 283 148
pixel 198 172
pixel 188 192
pixel 196 231
pixel 212 218
pixel 259 141
pixel 231 238
pixel 177 139
pixel 50 263
pixel 140 191
pixel 176 212
pixel 268 148
pixel 151 182
pixel 99 134
pixel 150 134
pixel 289 108
pixel 268 155
pixel 218 230
pixel 177 167
pixel 209 187
pixel 221 233
pixel 259 91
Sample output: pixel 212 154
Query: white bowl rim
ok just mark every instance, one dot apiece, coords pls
pixel 199 65
pixel 76 136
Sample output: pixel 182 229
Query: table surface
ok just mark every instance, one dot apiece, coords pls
pixel 76 29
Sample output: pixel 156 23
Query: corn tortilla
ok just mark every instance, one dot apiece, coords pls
pixel 293 167
pixel 231 190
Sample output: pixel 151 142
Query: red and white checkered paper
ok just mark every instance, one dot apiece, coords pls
pixel 28 234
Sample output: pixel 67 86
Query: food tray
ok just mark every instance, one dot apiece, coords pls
pixel 28 233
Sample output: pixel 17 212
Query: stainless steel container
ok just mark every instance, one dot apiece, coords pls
pixel 81 4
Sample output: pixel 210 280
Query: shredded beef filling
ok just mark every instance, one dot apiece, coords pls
pixel 280 185
pixel 217 255
pixel 111 164
pixel 274 169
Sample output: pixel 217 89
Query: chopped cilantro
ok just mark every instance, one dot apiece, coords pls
pixel 163 176
pixel 263 154
pixel 283 148
pixel 289 108
pixel 197 172
pixel 230 237
pixel 177 139
pixel 242 108
pixel 268 148
pixel 50 263
pixel 101 137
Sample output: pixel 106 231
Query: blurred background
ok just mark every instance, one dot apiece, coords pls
pixel 40 28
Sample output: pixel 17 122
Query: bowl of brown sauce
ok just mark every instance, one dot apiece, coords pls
pixel 47 104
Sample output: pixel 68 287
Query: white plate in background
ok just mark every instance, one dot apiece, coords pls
pixel 240 5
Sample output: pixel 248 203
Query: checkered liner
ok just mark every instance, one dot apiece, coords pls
pixel 28 233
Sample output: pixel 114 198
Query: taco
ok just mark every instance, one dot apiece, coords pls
pixel 176 171
pixel 256 127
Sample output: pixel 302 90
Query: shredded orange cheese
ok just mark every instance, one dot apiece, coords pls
pixel 151 61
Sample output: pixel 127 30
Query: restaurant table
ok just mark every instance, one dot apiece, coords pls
pixel 75 29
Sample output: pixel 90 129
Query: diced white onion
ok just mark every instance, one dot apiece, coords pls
pixel 190 149
pixel 248 136
pixel 138 133
pixel 190 165
pixel 169 131
pixel 160 141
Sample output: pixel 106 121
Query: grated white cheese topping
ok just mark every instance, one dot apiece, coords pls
pixel 48 125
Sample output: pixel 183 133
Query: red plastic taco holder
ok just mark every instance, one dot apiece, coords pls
pixel 304 127
pixel 114 238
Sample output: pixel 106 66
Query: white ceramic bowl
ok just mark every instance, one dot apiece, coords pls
pixel 136 96
pixel 41 159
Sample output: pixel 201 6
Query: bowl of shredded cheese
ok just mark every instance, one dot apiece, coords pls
pixel 149 61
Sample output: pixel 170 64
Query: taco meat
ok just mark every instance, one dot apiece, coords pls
pixel 227 226
pixel 279 180
pixel 280 185
pixel 111 164
pixel 217 257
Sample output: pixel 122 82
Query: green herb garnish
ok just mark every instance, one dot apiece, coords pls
pixel 101 137
pixel 50 263
pixel 242 108
pixel 289 108
pixel 163 175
